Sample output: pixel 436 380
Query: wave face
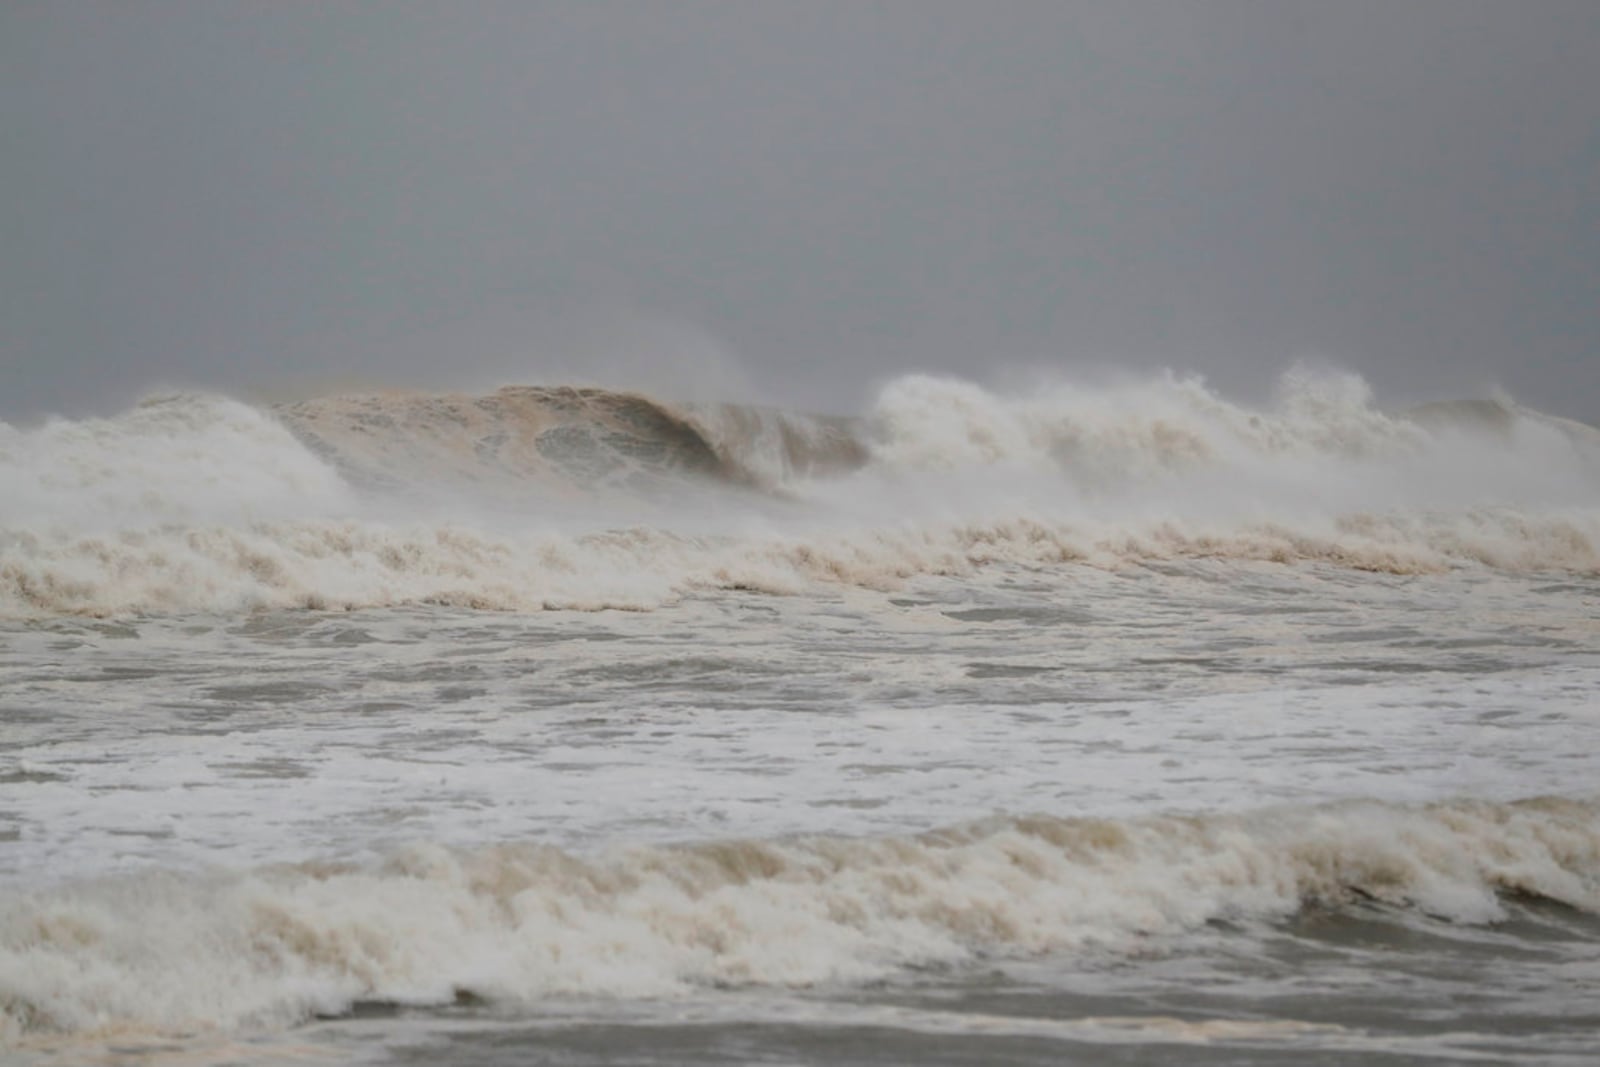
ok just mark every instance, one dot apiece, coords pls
pixel 588 439
pixel 170 952
pixel 530 498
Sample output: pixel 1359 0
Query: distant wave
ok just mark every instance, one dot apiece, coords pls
pixel 176 952
pixel 532 498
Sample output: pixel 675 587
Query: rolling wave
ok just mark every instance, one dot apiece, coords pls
pixel 583 438
pixel 536 497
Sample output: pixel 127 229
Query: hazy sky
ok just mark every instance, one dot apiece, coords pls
pixel 799 198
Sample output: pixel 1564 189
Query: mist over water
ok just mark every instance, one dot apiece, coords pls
pixel 650 534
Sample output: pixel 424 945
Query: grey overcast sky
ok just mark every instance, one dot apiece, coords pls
pixel 796 198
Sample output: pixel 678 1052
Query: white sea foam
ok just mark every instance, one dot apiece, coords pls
pixel 203 504
pixel 171 952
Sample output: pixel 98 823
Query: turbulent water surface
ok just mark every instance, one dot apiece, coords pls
pixel 1111 725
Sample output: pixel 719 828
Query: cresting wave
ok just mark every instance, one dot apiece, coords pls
pixel 168 952
pixel 533 498
pixel 584 438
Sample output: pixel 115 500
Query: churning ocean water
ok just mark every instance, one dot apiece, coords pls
pixel 1099 725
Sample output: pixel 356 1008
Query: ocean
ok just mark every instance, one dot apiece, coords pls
pixel 1121 723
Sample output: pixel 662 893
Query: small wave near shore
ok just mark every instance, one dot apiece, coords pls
pixel 180 952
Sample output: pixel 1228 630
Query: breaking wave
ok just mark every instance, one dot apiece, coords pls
pixel 171 952
pixel 532 498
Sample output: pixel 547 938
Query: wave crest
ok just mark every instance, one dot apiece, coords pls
pixel 582 438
